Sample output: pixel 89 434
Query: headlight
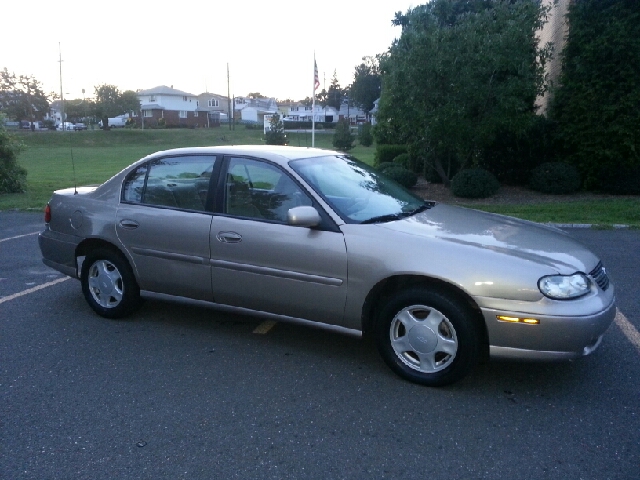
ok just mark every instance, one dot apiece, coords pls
pixel 563 287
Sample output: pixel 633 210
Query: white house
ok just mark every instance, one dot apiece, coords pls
pixel 303 113
pixel 254 109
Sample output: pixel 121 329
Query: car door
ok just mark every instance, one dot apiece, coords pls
pixel 163 223
pixel 262 263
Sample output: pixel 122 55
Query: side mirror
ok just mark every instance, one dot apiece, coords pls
pixel 303 217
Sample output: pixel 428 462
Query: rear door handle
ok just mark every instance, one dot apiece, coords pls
pixel 229 237
pixel 129 224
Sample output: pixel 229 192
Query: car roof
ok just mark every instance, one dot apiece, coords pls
pixel 275 153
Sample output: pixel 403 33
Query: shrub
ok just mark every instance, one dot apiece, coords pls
pixel 275 135
pixel 555 177
pixel 623 180
pixel 596 105
pixel 343 138
pixel 511 157
pixel 474 183
pixel 365 135
pixel 404 177
pixel 403 160
pixel 13 178
pixel 386 153
pixel 386 165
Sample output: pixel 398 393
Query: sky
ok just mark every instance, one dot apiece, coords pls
pixel 139 44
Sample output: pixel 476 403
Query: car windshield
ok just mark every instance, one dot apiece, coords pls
pixel 356 191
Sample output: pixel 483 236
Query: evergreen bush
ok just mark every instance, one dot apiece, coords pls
pixel 404 177
pixel 386 165
pixel 386 153
pixel 597 103
pixel 275 135
pixel 474 183
pixel 343 138
pixel 558 178
pixel 13 178
pixel 403 160
pixel 366 135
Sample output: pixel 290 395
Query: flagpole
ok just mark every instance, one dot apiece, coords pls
pixel 313 102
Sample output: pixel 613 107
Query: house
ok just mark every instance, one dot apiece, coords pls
pixel 374 112
pixel 55 112
pixel 253 110
pixel 215 107
pixel 171 107
pixel 355 115
pixel 299 112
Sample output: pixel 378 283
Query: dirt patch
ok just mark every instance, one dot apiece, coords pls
pixel 505 196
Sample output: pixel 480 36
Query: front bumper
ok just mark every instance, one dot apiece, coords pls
pixel 554 338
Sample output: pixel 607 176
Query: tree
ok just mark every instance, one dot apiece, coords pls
pixel 275 135
pixel 461 71
pixel 78 109
pixel 322 98
pixel 367 81
pixel 335 93
pixel 342 137
pixel 256 95
pixel 22 97
pixel 13 177
pixel 110 102
pixel 597 107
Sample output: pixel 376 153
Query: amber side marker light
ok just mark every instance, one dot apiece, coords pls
pixel 529 321
pixel 47 214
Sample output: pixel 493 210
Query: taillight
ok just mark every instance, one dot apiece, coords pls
pixel 47 214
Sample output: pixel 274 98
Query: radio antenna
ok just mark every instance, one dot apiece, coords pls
pixel 75 182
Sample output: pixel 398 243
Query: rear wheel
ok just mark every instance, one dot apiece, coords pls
pixel 108 284
pixel 427 337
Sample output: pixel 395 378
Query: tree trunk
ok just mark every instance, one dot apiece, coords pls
pixel 105 123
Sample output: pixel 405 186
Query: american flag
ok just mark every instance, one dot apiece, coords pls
pixel 316 82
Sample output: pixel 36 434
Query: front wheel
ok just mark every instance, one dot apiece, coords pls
pixel 427 337
pixel 108 284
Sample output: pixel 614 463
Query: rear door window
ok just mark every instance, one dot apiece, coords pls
pixel 173 182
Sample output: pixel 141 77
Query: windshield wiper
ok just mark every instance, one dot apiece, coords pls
pixel 422 208
pixel 397 216
pixel 384 218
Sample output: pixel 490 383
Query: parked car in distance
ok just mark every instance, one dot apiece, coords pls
pixel 79 126
pixel 310 235
pixel 65 126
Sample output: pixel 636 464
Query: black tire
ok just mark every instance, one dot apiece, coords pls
pixel 108 284
pixel 427 337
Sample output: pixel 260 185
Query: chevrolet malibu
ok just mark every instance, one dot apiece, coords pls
pixel 299 234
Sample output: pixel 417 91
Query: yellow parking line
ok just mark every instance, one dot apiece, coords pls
pixel 18 236
pixel 264 327
pixel 628 329
pixel 33 289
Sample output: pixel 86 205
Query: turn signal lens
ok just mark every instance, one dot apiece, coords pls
pixel 47 214
pixel 528 321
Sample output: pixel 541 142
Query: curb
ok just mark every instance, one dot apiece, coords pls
pixel 588 225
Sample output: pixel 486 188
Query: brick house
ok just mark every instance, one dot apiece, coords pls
pixel 171 106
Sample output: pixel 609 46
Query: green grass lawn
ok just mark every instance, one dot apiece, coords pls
pixel 98 155
pixel 600 213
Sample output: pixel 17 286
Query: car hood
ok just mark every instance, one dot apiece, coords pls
pixel 503 235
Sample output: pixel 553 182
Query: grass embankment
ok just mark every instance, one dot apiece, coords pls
pixel 98 155
pixel 603 213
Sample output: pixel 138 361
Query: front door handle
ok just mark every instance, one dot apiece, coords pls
pixel 229 237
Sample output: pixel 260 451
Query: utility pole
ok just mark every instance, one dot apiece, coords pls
pixel 228 98
pixel 61 94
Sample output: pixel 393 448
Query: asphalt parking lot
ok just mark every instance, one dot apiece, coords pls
pixel 179 391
